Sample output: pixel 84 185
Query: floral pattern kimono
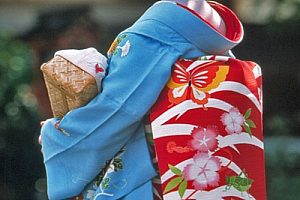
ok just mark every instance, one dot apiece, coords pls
pixel 111 125
pixel 207 130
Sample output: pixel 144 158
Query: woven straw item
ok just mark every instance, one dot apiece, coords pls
pixel 68 86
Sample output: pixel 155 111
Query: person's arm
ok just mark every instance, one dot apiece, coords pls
pixel 94 133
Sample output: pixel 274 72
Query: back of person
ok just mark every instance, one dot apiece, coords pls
pixel 203 123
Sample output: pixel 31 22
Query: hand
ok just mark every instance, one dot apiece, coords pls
pixel 56 126
pixel 40 137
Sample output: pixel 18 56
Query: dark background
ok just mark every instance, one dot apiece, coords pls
pixel 272 42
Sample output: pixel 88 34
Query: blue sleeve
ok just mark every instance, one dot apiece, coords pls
pixel 94 133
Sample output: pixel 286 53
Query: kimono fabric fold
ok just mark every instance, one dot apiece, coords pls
pixel 140 64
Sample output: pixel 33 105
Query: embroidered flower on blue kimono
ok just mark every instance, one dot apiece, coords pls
pixel 115 46
pixel 125 48
pixel 91 193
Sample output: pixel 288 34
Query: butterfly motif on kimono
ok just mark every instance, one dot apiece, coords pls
pixel 194 79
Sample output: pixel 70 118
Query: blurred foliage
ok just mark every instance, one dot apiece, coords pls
pixel 16 99
pixel 283 168
pixel 285 18
pixel 286 10
pixel 19 166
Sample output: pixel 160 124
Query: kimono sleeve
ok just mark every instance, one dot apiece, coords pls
pixel 138 70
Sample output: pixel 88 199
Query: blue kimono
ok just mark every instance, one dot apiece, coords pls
pixel 140 63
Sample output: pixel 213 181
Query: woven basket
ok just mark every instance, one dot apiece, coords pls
pixel 68 86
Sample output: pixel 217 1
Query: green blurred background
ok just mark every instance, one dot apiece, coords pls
pixel 32 30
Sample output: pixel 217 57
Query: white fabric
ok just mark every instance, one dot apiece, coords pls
pixel 203 8
pixel 208 13
pixel 183 2
pixel 88 60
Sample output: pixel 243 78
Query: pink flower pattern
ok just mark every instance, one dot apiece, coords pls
pixel 233 120
pixel 204 139
pixel 203 171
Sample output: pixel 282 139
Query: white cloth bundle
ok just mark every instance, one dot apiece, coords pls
pixel 89 60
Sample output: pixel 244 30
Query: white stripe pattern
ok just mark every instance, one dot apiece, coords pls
pixel 257 71
pixel 238 88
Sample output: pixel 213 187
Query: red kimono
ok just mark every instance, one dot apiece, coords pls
pixel 207 131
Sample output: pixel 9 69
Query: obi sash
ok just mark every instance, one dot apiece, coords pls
pixel 207 131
